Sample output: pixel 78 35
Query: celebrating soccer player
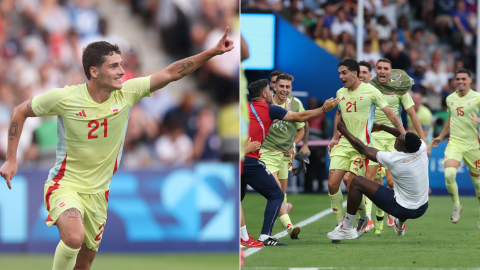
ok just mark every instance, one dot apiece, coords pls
pixel 91 126
pixel 409 168
pixel 463 143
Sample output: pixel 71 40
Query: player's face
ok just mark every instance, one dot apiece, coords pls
pixel 399 143
pixel 383 70
pixel 268 95
pixel 283 89
pixel 111 72
pixel 272 82
pixel 463 81
pixel 346 76
pixel 365 74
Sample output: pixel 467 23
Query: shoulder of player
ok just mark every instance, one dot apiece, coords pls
pixel 452 96
pixel 297 100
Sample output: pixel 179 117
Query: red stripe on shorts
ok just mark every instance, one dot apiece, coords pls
pixel 56 179
pixel 106 194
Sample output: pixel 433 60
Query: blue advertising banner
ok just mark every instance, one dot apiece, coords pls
pixel 172 210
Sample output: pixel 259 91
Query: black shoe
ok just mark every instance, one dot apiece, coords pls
pixel 273 242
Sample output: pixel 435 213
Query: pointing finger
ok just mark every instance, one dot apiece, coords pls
pixel 226 33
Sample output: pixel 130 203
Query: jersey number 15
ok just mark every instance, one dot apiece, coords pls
pixel 96 125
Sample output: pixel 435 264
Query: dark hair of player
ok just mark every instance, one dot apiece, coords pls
pixel 284 76
pixel 94 55
pixel 350 64
pixel 464 70
pixel 412 142
pixel 365 64
pixel 255 89
pixel 386 60
pixel 275 73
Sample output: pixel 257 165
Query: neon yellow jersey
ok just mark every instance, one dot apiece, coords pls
pixel 395 102
pixel 425 117
pixel 298 125
pixel 358 111
pixel 463 130
pixel 244 116
pixel 90 135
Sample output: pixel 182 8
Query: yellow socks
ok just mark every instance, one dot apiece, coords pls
pixel 476 184
pixel 285 199
pixel 451 184
pixel 285 219
pixel 380 212
pixel 65 257
pixel 336 203
pixel 362 208
pixel 368 205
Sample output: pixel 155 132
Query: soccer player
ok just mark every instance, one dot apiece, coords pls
pixel 394 85
pixel 463 143
pixel 409 167
pixel 273 79
pixel 357 105
pixel 91 126
pixel 424 116
pixel 279 146
pixel 255 173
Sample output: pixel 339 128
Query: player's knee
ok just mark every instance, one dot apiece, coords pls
pixel 450 174
pixel 74 239
pixel 355 182
pixel 333 186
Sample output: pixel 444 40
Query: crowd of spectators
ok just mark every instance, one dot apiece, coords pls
pixel 41 44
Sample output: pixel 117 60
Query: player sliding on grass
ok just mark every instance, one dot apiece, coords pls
pixel 255 173
pixel 409 168
pixel 463 144
pixel 91 127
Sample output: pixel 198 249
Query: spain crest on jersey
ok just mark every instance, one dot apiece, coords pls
pixel 469 103
pixel 361 97
pixel 392 94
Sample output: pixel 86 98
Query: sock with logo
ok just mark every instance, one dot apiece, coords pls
pixel 336 201
pixel 451 184
pixel 244 233
pixel 65 257
pixel 348 221
pixel 285 220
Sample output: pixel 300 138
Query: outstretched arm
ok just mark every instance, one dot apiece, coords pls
pixel 394 119
pixel 182 68
pixel 311 114
pixel 444 132
pixel 369 152
pixel 418 126
pixel 393 131
pixel 17 120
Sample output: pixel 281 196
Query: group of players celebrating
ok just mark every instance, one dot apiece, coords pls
pixel 369 142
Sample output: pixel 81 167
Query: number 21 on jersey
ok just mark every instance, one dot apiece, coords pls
pixel 350 105
pixel 94 125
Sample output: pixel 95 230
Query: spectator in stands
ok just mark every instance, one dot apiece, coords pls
pixel 368 55
pixel 185 114
pixel 136 154
pixel 297 22
pixel 174 148
pixel 418 75
pixel 463 28
pixel 385 47
pixel 387 9
pixel 398 58
pixel 384 28
pixel 309 20
pixel 419 43
pixel 403 30
pixel 324 40
pixel 449 88
pixel 435 80
pixel 440 118
pixel 341 25
pixel 343 42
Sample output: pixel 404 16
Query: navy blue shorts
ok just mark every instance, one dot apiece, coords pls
pixel 384 199
pixel 256 175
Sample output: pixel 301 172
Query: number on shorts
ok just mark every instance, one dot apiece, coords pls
pixel 359 160
pixel 98 238
pixel 477 164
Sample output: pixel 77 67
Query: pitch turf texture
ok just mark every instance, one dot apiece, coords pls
pixel 227 261
pixel 432 241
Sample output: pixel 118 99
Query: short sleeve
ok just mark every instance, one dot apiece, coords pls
pixel 49 103
pixel 384 158
pixel 299 125
pixel 276 112
pixel 378 98
pixel 407 101
pixel 448 107
pixel 135 89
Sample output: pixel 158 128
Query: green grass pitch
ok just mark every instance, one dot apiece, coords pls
pixel 130 261
pixel 430 242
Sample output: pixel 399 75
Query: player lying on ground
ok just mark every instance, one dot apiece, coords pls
pixel 91 127
pixel 409 167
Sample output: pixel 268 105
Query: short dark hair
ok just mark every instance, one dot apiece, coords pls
pixel 412 142
pixel 350 64
pixel 275 73
pixel 94 55
pixel 256 88
pixel 385 60
pixel 365 64
pixel 284 76
pixel 464 70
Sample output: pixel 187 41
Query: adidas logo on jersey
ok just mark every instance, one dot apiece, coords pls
pixel 82 113
pixel 343 98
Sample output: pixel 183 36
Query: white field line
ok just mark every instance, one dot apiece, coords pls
pixel 281 234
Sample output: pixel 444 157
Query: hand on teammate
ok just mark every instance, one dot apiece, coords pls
pixel 435 141
pixel 341 127
pixel 251 146
pixel 290 152
pixel 8 171
pixel 475 118
pixel 330 103
pixel 224 44
pixel 376 127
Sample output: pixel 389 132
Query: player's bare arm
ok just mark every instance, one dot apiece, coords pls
pixel 298 137
pixel 251 146
pixel 379 127
pixel 335 138
pixel 311 114
pixel 394 119
pixel 17 120
pixel 305 149
pixel 369 152
pixel 444 132
pixel 418 126
pixel 182 68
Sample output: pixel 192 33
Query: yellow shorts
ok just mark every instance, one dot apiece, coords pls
pixel 380 171
pixel 471 157
pixel 386 145
pixel 93 208
pixel 277 162
pixel 342 158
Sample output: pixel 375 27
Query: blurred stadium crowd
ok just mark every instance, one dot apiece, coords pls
pixel 41 44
